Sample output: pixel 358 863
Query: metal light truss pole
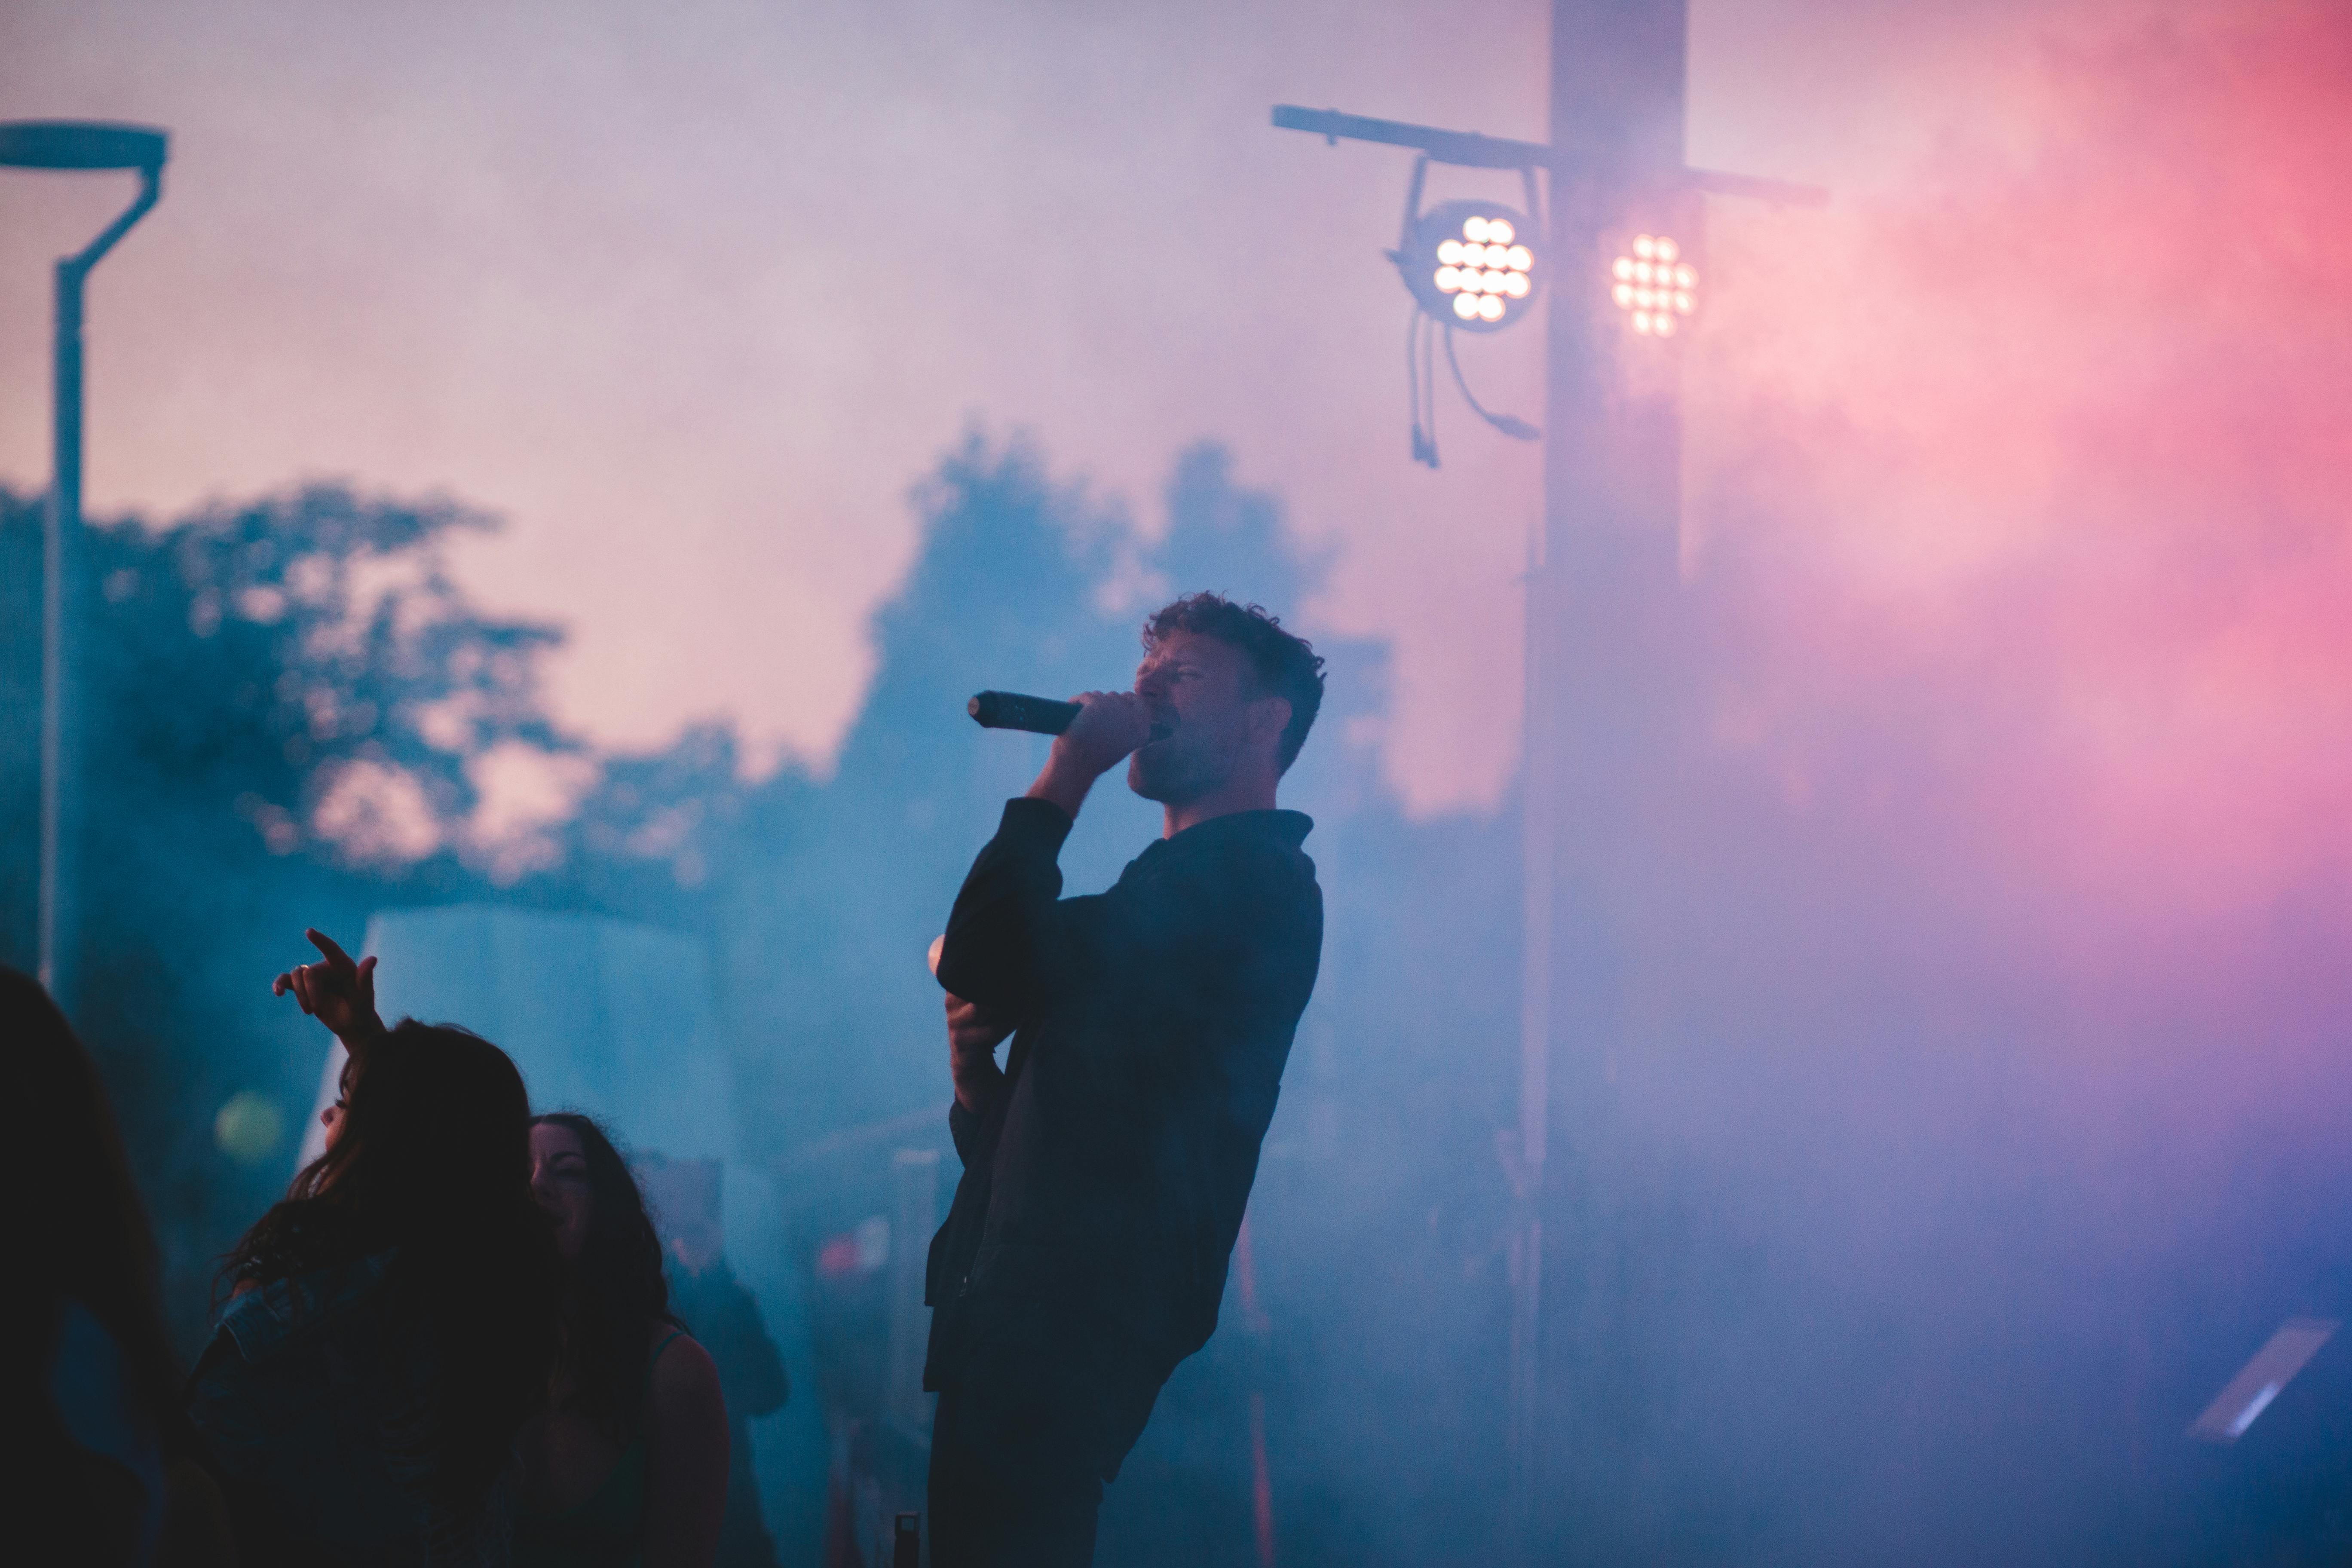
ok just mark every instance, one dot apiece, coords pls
pixel 1600 697
pixel 1599 594
pixel 70 145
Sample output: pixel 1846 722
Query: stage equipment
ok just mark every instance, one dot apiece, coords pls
pixel 1655 286
pixel 1468 264
pixel 1607 562
pixel 1473 266
pixel 2261 1380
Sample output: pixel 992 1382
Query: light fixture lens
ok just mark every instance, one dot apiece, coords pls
pixel 1656 291
pixel 1465 254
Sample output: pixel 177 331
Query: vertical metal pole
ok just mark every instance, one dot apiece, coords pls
pixel 1538 785
pixel 61 525
pixel 60 557
pixel 1599 711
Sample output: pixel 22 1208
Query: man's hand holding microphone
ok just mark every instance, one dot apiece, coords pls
pixel 1109 726
pixel 1106 728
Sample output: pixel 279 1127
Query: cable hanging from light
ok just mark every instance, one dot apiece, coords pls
pixel 1468 266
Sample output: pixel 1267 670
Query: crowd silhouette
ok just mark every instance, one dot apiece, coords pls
pixel 451 1343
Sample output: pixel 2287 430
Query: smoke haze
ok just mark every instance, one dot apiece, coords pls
pixel 1987 1002
pixel 1979 1097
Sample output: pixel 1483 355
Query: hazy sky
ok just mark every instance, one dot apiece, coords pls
pixel 691 294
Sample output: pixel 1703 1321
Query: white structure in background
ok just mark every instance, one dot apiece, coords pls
pixel 602 1016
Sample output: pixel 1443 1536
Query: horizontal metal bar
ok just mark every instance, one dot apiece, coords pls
pixel 1466 149
pixel 1786 192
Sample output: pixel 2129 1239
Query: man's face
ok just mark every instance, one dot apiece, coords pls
pixel 1201 689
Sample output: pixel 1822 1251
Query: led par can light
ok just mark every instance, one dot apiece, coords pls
pixel 1472 264
pixel 1655 286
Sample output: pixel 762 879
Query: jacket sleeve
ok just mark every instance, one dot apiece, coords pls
pixel 1003 942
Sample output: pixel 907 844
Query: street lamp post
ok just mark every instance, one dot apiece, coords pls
pixel 70 144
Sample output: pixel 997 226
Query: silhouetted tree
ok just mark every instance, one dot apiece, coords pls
pixel 280 706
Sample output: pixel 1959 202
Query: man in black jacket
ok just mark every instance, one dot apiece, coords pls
pixel 1107 1164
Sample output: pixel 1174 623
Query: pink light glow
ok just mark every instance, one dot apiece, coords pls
pixel 2051 590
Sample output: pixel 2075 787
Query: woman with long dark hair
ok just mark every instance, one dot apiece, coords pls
pixel 628 1463
pixel 394 1320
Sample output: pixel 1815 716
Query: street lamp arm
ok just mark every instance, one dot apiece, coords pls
pixel 150 191
pixel 86 145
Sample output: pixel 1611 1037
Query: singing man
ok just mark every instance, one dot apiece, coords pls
pixel 1108 1162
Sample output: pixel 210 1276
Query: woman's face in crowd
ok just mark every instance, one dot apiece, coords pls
pixel 333 1116
pixel 559 1180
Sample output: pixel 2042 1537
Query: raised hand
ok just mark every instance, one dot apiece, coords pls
pixel 1109 725
pixel 337 991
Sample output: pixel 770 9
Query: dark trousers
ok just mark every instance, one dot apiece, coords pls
pixel 1020 1498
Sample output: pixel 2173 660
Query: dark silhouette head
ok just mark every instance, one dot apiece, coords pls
pixel 433 1162
pixel 615 1292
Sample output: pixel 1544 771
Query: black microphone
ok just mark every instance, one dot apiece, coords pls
pixel 1012 710
pixel 1038 715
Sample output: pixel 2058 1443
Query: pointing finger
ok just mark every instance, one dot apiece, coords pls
pixel 326 944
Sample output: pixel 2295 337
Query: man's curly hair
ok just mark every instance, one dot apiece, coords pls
pixel 1285 664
